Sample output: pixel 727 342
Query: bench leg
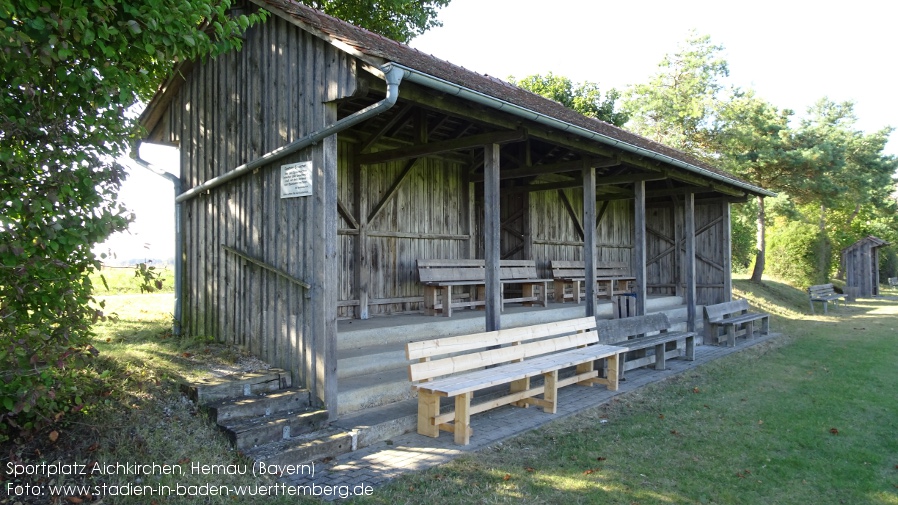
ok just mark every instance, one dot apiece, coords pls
pixel 527 292
pixel 690 348
pixel 575 291
pixel 825 303
pixel 447 301
pixel 480 295
pixel 583 368
pixel 612 366
pixel 812 306
pixel 462 426
pixel 518 386
pixel 430 300
pixel 749 330
pixel 661 356
pixel 559 292
pixel 765 325
pixel 550 392
pixel 731 335
pixel 544 294
pixel 428 410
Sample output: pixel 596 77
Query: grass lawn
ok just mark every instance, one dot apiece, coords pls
pixel 811 417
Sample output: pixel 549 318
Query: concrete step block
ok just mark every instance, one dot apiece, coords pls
pixel 234 386
pixel 248 433
pixel 264 404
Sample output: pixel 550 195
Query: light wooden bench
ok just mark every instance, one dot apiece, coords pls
pixel 734 319
pixel 641 333
pixel 824 293
pixel 611 278
pixel 456 367
pixel 439 277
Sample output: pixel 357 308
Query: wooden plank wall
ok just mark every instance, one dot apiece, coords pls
pixel 665 269
pixel 232 110
pixel 425 218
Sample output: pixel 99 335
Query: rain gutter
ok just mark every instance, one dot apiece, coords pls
pixel 481 98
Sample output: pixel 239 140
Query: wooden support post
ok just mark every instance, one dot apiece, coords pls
pixel 689 212
pixel 589 238
pixel 463 419
pixel 362 271
pixel 428 409
pixel 639 244
pixel 492 236
pixel 727 254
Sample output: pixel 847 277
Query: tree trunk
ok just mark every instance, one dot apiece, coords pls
pixel 758 272
pixel 823 255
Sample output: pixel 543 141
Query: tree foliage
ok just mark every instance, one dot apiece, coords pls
pixel 678 105
pixel 70 70
pixel 827 170
pixel 585 98
pixel 400 20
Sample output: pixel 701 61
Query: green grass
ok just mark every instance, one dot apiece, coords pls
pixel 810 417
pixel 121 280
pixel 752 428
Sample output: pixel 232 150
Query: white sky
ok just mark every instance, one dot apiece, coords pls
pixel 791 52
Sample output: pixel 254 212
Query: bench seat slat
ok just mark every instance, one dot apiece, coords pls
pixel 461 343
pixel 469 361
pixel 647 342
pixel 482 379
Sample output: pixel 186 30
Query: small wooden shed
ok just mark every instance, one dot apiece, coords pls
pixel 322 161
pixel 861 263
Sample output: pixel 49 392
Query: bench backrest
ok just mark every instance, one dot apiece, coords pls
pixel 577 269
pixel 612 331
pixel 725 309
pixel 821 290
pixel 448 355
pixel 893 281
pixel 472 270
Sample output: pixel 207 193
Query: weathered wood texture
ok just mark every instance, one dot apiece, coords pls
pixel 232 110
pixel 666 271
pixel 861 263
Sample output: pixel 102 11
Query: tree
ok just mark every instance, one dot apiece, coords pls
pixel 678 105
pixel 400 20
pixel 70 71
pixel 585 98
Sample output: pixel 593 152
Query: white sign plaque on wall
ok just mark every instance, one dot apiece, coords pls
pixel 296 179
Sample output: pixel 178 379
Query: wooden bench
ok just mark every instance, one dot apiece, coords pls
pixel 611 278
pixel 641 333
pixel 823 293
pixel 439 277
pixel 456 367
pixel 893 282
pixel 735 320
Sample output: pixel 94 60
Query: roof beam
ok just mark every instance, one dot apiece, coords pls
pixel 417 151
pixel 553 168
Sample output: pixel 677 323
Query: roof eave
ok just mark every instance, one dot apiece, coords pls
pixel 497 103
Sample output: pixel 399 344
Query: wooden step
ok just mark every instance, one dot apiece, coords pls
pixel 327 443
pixel 253 432
pixel 238 385
pixel 265 404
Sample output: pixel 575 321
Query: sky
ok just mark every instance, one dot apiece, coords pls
pixel 792 53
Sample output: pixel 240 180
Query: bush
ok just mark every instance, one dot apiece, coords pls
pixel 799 253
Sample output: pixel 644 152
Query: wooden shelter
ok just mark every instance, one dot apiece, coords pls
pixel 321 161
pixel 861 263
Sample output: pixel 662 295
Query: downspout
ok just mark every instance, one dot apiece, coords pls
pixel 176 183
pixel 392 75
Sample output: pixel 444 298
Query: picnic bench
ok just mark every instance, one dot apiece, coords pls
pixel 824 293
pixel 728 320
pixel 457 367
pixel 612 278
pixel 439 277
pixel 641 333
